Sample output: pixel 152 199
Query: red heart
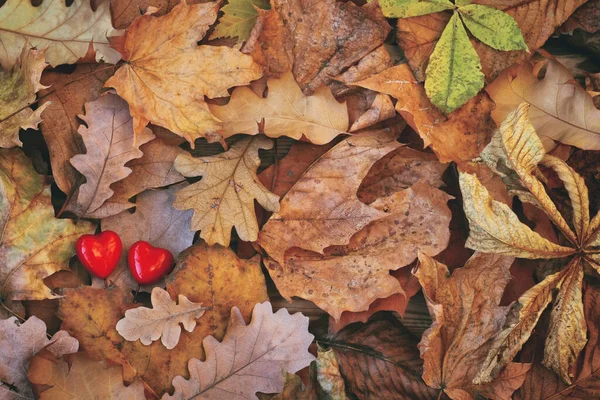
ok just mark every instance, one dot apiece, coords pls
pixel 148 264
pixel 99 253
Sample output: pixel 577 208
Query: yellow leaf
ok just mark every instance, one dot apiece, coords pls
pixel 224 198
pixel 167 75
pixel 66 32
pixel 34 243
pixel 286 111
pixel 17 91
pixel 495 228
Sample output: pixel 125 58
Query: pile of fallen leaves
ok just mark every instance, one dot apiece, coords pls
pixel 421 178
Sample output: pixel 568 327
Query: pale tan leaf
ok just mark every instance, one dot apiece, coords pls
pixel 162 321
pixel 34 244
pixel 66 32
pixel 158 81
pixel 81 378
pixel 18 87
pixel 110 144
pixel 286 111
pixel 19 342
pixel 560 109
pixel 568 330
pixel 322 209
pixel 225 196
pixel 520 321
pixel 250 358
pixel 495 228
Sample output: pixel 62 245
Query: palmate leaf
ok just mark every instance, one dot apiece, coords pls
pixel 413 8
pixel 493 27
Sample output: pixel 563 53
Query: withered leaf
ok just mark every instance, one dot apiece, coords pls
pixel 162 321
pixel 157 80
pixel 322 209
pixel 81 378
pixel 351 277
pixel 286 111
pixel 250 358
pixel 19 342
pixel 18 87
pixel 470 298
pixel 329 376
pixel 34 243
pixel 225 196
pixel 110 144
pixel 155 221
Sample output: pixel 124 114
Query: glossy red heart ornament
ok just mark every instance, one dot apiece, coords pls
pixel 99 253
pixel 148 264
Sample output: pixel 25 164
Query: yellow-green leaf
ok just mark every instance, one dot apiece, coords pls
pixel 34 244
pixel 413 8
pixel 495 228
pixel 238 19
pixel 493 27
pixel 454 74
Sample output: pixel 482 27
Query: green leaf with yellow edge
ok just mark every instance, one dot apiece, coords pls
pixel 493 27
pixel 239 16
pixel 454 74
pixel 413 8
pixel 17 91
pixel 34 244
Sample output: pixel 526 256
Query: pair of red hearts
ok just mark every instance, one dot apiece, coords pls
pixel 100 255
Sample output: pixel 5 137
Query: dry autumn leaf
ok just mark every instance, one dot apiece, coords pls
pixel 322 209
pixel 162 321
pixel 286 111
pixel 34 243
pixel 157 80
pixel 19 342
pixel 66 32
pixel 77 377
pixel 225 196
pixel 110 144
pixel 561 110
pixel 250 358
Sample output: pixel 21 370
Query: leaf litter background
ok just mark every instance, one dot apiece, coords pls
pixel 288 174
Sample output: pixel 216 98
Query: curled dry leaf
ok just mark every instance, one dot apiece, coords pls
pixel 469 297
pixel 155 221
pixel 286 111
pixel 66 32
pixel 225 196
pixel 250 358
pixel 157 80
pixel 322 209
pixel 77 377
pixel 380 109
pixel 561 110
pixel 34 243
pixel 19 342
pixel 110 144
pixel 162 321
pixel 18 87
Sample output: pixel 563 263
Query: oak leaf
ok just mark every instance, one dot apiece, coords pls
pixel 162 321
pixel 158 82
pixel 34 243
pixel 322 209
pixel 469 297
pixel 561 110
pixel 238 19
pixel 77 377
pixel 17 91
pixel 250 358
pixel 225 196
pixel 155 221
pixel 286 111
pixel 66 32
pixel 19 342
pixel 514 154
pixel 64 100
pixel 110 144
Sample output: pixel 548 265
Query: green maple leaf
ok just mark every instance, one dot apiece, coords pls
pixel 238 19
